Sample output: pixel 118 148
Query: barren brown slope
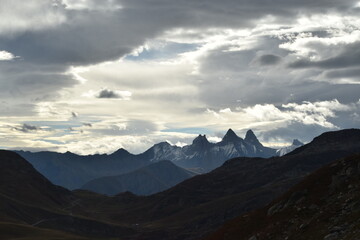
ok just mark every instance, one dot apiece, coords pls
pixel 323 206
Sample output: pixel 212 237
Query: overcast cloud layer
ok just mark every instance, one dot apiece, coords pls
pixel 89 78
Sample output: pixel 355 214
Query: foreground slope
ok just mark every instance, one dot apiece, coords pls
pixel 202 203
pixel 148 180
pixel 28 201
pixel 15 231
pixel 21 182
pixel 325 205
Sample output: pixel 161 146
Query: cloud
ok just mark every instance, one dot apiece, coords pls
pixel 131 127
pixel 269 59
pixel 6 56
pixel 74 114
pixel 106 93
pixel 106 5
pixel 270 116
pixel 350 57
pixel 19 16
pixel 253 64
pixel 27 128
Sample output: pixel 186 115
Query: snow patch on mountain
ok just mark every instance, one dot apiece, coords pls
pixel 285 150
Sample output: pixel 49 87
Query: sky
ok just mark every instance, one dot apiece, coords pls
pixel 92 76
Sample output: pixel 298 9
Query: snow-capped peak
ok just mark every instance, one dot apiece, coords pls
pixel 296 142
pixel 285 150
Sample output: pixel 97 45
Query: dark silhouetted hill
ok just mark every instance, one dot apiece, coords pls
pixel 147 180
pixel 323 206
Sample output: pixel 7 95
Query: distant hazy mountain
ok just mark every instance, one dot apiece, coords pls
pixel 73 171
pixel 285 150
pixel 147 180
pixel 207 156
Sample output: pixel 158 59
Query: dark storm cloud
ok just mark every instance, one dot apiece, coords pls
pixel 349 57
pixel 81 40
pixel 21 79
pixel 74 114
pixel 27 128
pixel 295 130
pixel 106 93
pixel 227 79
pixel 269 59
pixel 348 73
pixel 234 13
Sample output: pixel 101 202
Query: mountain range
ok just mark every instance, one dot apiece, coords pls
pixel 147 180
pixel 200 204
pixel 73 171
pixel 191 209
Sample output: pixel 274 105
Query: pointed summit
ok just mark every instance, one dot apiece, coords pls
pixel 201 141
pixel 121 153
pixel 296 142
pixel 251 138
pixel 230 136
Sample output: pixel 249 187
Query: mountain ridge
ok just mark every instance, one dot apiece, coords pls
pixel 322 206
pixel 147 180
pixel 69 170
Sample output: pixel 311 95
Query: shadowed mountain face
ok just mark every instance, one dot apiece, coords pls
pixel 73 171
pixel 20 181
pixel 323 206
pixel 202 203
pixel 28 200
pixel 148 180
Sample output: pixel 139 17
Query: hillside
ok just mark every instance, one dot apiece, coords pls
pixel 72 171
pixel 20 181
pixel 148 180
pixel 29 200
pixel 323 206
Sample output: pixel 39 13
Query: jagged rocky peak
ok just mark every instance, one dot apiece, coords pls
pixel 251 138
pixel 296 142
pixel 162 145
pixel 201 140
pixel 230 136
